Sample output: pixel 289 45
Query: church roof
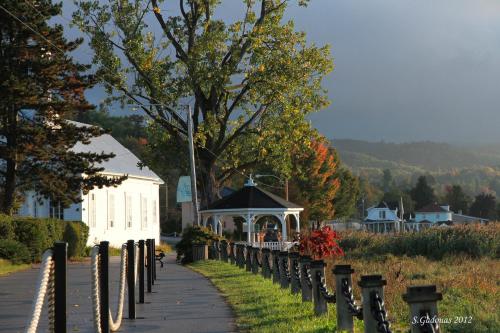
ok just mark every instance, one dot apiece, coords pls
pixel 251 197
pixel 124 161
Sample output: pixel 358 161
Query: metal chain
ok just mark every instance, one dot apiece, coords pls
pixel 379 313
pixel 297 272
pixel 256 258
pixel 51 297
pixel 354 309
pixel 285 268
pixel 429 327
pixel 330 298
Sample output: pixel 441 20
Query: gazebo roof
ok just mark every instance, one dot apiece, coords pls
pixel 249 197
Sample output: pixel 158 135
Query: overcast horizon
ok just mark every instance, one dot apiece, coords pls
pixel 405 70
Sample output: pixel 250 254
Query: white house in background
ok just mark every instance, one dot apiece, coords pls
pixel 434 213
pixel 383 212
pixel 382 218
pixel 114 214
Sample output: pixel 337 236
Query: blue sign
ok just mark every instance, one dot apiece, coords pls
pixel 184 189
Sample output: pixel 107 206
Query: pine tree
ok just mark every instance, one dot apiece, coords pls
pixel 422 193
pixel 40 88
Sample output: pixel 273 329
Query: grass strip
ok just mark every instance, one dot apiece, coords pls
pixel 6 267
pixel 262 306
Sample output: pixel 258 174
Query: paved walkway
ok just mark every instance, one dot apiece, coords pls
pixel 182 301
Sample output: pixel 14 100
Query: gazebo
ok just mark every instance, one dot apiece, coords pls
pixel 251 203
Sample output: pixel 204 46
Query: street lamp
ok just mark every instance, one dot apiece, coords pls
pixel 281 180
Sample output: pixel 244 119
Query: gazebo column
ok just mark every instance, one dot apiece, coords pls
pixel 215 222
pixel 297 218
pixel 283 227
pixel 249 228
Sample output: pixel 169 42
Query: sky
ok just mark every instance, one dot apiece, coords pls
pixel 405 70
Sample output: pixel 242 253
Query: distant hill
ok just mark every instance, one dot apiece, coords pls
pixel 417 156
pixel 475 168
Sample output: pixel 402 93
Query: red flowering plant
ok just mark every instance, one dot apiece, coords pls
pixel 320 244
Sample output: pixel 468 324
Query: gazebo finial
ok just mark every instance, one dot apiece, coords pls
pixel 250 181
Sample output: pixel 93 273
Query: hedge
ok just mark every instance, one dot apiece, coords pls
pixel 39 234
pixel 14 251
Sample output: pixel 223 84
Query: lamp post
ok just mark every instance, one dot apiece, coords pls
pixel 281 180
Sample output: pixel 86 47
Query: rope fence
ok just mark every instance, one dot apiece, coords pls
pixel 302 274
pixel 51 285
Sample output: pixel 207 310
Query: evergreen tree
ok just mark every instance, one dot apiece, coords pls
pixel 348 194
pixel 422 193
pixel 41 86
pixel 484 206
pixel 457 199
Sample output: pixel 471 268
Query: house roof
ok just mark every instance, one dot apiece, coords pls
pixel 124 161
pixel 432 208
pixel 251 197
pixel 388 205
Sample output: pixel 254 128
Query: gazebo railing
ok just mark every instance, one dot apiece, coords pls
pixel 282 246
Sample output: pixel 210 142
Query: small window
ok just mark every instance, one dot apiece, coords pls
pixel 111 210
pixel 128 211
pixel 56 210
pixel 381 214
pixel 153 212
pixel 144 212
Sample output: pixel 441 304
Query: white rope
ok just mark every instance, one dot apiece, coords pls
pixel 46 268
pixel 96 305
pixel 114 325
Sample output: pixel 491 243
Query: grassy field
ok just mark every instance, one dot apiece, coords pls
pixel 469 287
pixel 6 267
pixel 262 306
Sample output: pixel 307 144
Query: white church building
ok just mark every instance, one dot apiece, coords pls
pixel 114 214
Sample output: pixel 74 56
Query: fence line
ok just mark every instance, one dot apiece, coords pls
pixel 308 277
pixel 51 284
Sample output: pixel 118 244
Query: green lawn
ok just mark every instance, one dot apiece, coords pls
pixel 262 306
pixel 7 267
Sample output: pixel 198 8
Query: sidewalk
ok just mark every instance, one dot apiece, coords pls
pixel 182 301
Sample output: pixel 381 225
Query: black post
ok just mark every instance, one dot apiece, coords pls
pixel 141 271
pixel 154 259
pixel 149 267
pixel 104 285
pixel 60 257
pixel 131 278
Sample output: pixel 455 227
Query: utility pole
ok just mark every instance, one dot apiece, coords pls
pixel 286 189
pixel 194 192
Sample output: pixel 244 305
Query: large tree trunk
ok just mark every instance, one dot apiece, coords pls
pixel 9 187
pixel 209 186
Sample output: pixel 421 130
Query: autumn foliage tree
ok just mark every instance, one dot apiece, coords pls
pixel 314 182
pixel 40 88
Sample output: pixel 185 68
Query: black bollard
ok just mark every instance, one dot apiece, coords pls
pixel 104 285
pixel 141 271
pixel 343 283
pixel 60 260
pixel 276 266
pixel 305 283
pixel 283 268
pixel 248 258
pixel 294 272
pixel 131 278
pixel 266 268
pixel 232 256
pixel 153 259
pixel 240 259
pixel 149 271
pixel 318 271
pixel 223 250
pixel 255 259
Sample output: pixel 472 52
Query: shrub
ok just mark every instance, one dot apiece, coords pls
pixel 190 236
pixel 6 227
pixel 14 251
pixel 76 234
pixel 33 233
pixel 320 244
